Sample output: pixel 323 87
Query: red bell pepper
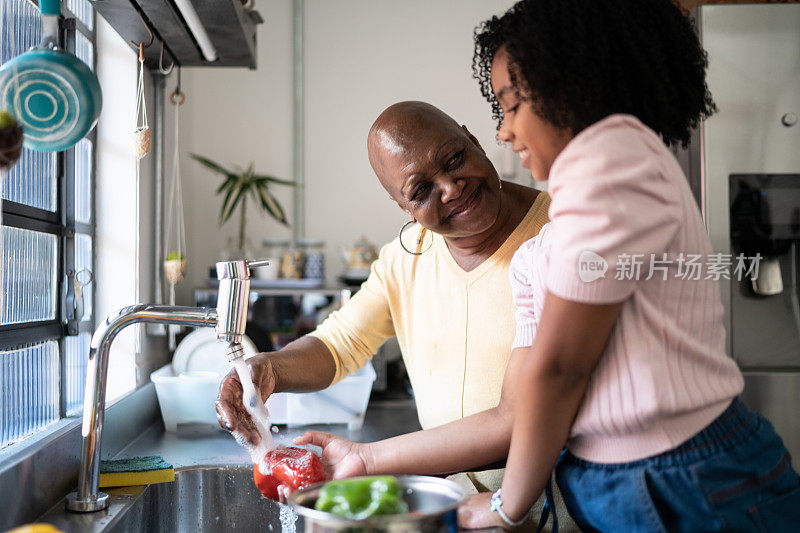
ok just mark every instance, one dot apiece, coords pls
pixel 293 467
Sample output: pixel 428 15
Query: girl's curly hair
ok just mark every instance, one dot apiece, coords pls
pixel 579 61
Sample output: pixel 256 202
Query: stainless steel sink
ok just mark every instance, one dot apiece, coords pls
pixel 210 498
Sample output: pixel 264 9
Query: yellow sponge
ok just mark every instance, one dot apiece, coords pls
pixel 135 471
pixel 39 527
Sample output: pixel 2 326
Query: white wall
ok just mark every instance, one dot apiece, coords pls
pixel 234 116
pixel 360 57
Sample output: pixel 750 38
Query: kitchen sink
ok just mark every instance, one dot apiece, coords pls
pixel 205 498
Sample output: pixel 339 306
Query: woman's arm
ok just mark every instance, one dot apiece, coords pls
pixel 342 344
pixel 463 444
pixel 303 365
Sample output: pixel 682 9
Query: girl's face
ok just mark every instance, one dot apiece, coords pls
pixel 537 142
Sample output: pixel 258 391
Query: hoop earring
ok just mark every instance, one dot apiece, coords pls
pixel 419 239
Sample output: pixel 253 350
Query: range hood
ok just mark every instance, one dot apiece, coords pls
pixel 229 25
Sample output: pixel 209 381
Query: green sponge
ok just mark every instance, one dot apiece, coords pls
pixel 135 471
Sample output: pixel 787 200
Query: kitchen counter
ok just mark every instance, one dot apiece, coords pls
pixel 213 479
pixel 205 445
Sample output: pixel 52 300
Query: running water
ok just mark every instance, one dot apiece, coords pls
pixel 258 411
pixel 288 519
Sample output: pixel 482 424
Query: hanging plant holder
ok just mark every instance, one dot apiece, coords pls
pixel 175 270
pixel 175 230
pixel 141 138
pixel 141 141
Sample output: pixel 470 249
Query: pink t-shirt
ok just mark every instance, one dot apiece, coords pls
pixel 620 199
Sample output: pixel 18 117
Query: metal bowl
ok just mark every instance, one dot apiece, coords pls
pixel 432 504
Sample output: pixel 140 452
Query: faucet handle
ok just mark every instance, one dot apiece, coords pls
pixel 238 269
pixel 258 263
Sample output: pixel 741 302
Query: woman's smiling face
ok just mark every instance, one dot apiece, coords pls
pixel 537 142
pixel 437 171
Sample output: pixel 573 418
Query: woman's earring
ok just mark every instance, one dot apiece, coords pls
pixel 420 237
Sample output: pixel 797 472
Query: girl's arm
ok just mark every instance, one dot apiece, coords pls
pixel 463 444
pixel 551 384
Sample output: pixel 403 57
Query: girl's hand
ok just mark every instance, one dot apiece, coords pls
pixel 475 513
pixel 340 457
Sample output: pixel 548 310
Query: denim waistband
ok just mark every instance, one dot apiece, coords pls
pixel 733 427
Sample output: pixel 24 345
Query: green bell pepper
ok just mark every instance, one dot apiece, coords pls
pixel 362 497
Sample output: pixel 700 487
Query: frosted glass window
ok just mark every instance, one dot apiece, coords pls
pixel 29 390
pixel 76 355
pixel 83 260
pixel 83 180
pixel 22 28
pixel 32 181
pixel 81 9
pixel 29 276
pixel 84 49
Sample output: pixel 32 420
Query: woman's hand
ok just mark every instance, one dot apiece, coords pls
pixel 340 457
pixel 475 513
pixel 231 413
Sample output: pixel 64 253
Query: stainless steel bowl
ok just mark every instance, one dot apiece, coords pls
pixel 432 504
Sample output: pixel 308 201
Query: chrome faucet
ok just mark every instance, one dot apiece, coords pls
pixel 232 302
pixel 229 318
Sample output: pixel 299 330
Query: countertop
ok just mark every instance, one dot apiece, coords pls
pixel 205 445
pixel 198 445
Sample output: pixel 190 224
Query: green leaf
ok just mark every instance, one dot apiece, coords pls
pixel 271 179
pixel 211 165
pixel 226 214
pixel 272 206
pixel 225 204
pixel 229 182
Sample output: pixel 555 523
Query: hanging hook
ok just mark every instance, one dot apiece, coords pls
pixel 177 97
pixel 147 27
pixel 161 68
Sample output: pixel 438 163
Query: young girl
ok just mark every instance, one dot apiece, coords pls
pixel 627 368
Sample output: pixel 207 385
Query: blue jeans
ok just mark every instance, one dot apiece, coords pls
pixel 735 475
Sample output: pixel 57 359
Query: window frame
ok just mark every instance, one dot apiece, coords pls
pixel 64 225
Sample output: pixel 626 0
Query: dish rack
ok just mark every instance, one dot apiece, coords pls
pixel 343 403
pixel 189 397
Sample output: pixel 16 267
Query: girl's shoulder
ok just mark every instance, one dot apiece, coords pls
pixel 620 126
pixel 617 140
pixel 615 155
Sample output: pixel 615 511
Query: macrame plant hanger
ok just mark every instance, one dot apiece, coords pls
pixel 175 236
pixel 140 145
pixel 141 138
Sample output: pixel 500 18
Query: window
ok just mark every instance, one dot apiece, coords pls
pixel 46 236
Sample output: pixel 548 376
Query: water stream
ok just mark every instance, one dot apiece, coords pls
pixel 258 411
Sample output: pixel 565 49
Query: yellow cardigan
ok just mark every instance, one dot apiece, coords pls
pixel 454 328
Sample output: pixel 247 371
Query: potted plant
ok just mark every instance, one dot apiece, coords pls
pixel 238 186
pixel 175 267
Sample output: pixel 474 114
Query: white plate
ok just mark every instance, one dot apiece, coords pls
pixel 200 351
